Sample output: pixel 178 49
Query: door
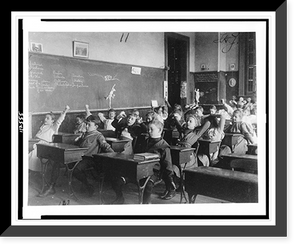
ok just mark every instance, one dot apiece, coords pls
pixel 177 47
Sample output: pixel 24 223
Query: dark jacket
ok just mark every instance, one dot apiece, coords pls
pixel 162 148
pixel 95 142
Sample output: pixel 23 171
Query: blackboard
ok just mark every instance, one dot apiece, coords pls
pixel 57 81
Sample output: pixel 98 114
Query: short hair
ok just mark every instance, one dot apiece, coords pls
pixel 200 108
pixel 239 112
pixel 157 123
pixel 213 107
pixel 111 110
pixel 52 115
pixel 93 119
pixel 81 116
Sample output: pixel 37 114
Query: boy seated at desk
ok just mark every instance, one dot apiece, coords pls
pixel 163 170
pixel 108 121
pixel 45 135
pixel 245 129
pixel 95 142
pixel 190 134
pixel 130 130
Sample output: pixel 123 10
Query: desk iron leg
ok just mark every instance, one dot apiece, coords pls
pixel 182 188
pixel 70 174
pixel 142 189
pixel 101 182
pixel 44 169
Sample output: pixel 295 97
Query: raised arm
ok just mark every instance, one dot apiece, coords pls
pixel 61 117
pixel 87 111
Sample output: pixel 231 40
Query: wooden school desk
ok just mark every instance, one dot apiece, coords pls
pixel 231 139
pixel 61 153
pixel 65 138
pixel 222 184
pixel 181 155
pixel 117 144
pixel 252 149
pixel 127 166
pixel 208 147
pixel 245 162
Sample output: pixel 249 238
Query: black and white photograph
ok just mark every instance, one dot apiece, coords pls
pixel 159 121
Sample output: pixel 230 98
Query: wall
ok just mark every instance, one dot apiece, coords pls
pixel 216 51
pixel 141 48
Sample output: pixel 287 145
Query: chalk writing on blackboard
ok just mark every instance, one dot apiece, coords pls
pixel 106 78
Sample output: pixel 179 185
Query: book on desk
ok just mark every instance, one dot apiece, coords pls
pixel 145 156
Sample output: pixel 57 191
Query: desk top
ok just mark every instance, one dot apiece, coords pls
pixel 63 146
pixel 207 140
pixel 233 134
pixel 181 149
pixel 224 173
pixel 112 139
pixel 66 134
pixel 123 157
pixel 239 156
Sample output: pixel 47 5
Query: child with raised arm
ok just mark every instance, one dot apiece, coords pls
pixel 95 143
pixel 108 121
pixel 239 126
pixel 45 135
pixel 163 170
pixel 80 125
pixel 192 132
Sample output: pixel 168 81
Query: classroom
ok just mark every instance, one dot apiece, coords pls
pixel 142 118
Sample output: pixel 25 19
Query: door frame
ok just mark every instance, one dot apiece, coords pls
pixel 186 39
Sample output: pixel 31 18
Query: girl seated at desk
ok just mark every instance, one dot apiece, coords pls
pixel 45 135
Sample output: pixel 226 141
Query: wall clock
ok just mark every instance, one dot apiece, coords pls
pixel 232 82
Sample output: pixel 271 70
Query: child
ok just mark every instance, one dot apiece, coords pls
pixel 136 113
pixel 192 132
pixel 95 142
pixel 163 170
pixel 80 126
pixel 161 111
pixel 108 121
pixel 119 123
pixel 212 109
pixel 214 133
pixel 132 130
pixel 45 135
pixel 239 126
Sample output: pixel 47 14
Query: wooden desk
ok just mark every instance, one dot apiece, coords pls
pixel 245 163
pixel 66 138
pixel 116 144
pixel 128 167
pixel 208 147
pixel 222 184
pixel 231 139
pixel 181 155
pixel 61 153
pixel 252 149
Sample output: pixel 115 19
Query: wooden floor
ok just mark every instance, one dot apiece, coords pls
pixel 62 193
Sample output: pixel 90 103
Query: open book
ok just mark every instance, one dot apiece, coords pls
pixel 145 156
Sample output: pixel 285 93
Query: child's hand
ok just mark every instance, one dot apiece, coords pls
pixel 177 116
pixel 86 106
pixel 67 107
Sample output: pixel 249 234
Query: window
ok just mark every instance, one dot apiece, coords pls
pixel 250 64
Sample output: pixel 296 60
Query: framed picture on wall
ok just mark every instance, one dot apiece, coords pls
pixel 36 47
pixel 80 49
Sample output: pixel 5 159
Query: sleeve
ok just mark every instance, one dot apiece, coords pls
pixel 60 119
pixel 103 145
pixel 202 129
pixel 246 131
